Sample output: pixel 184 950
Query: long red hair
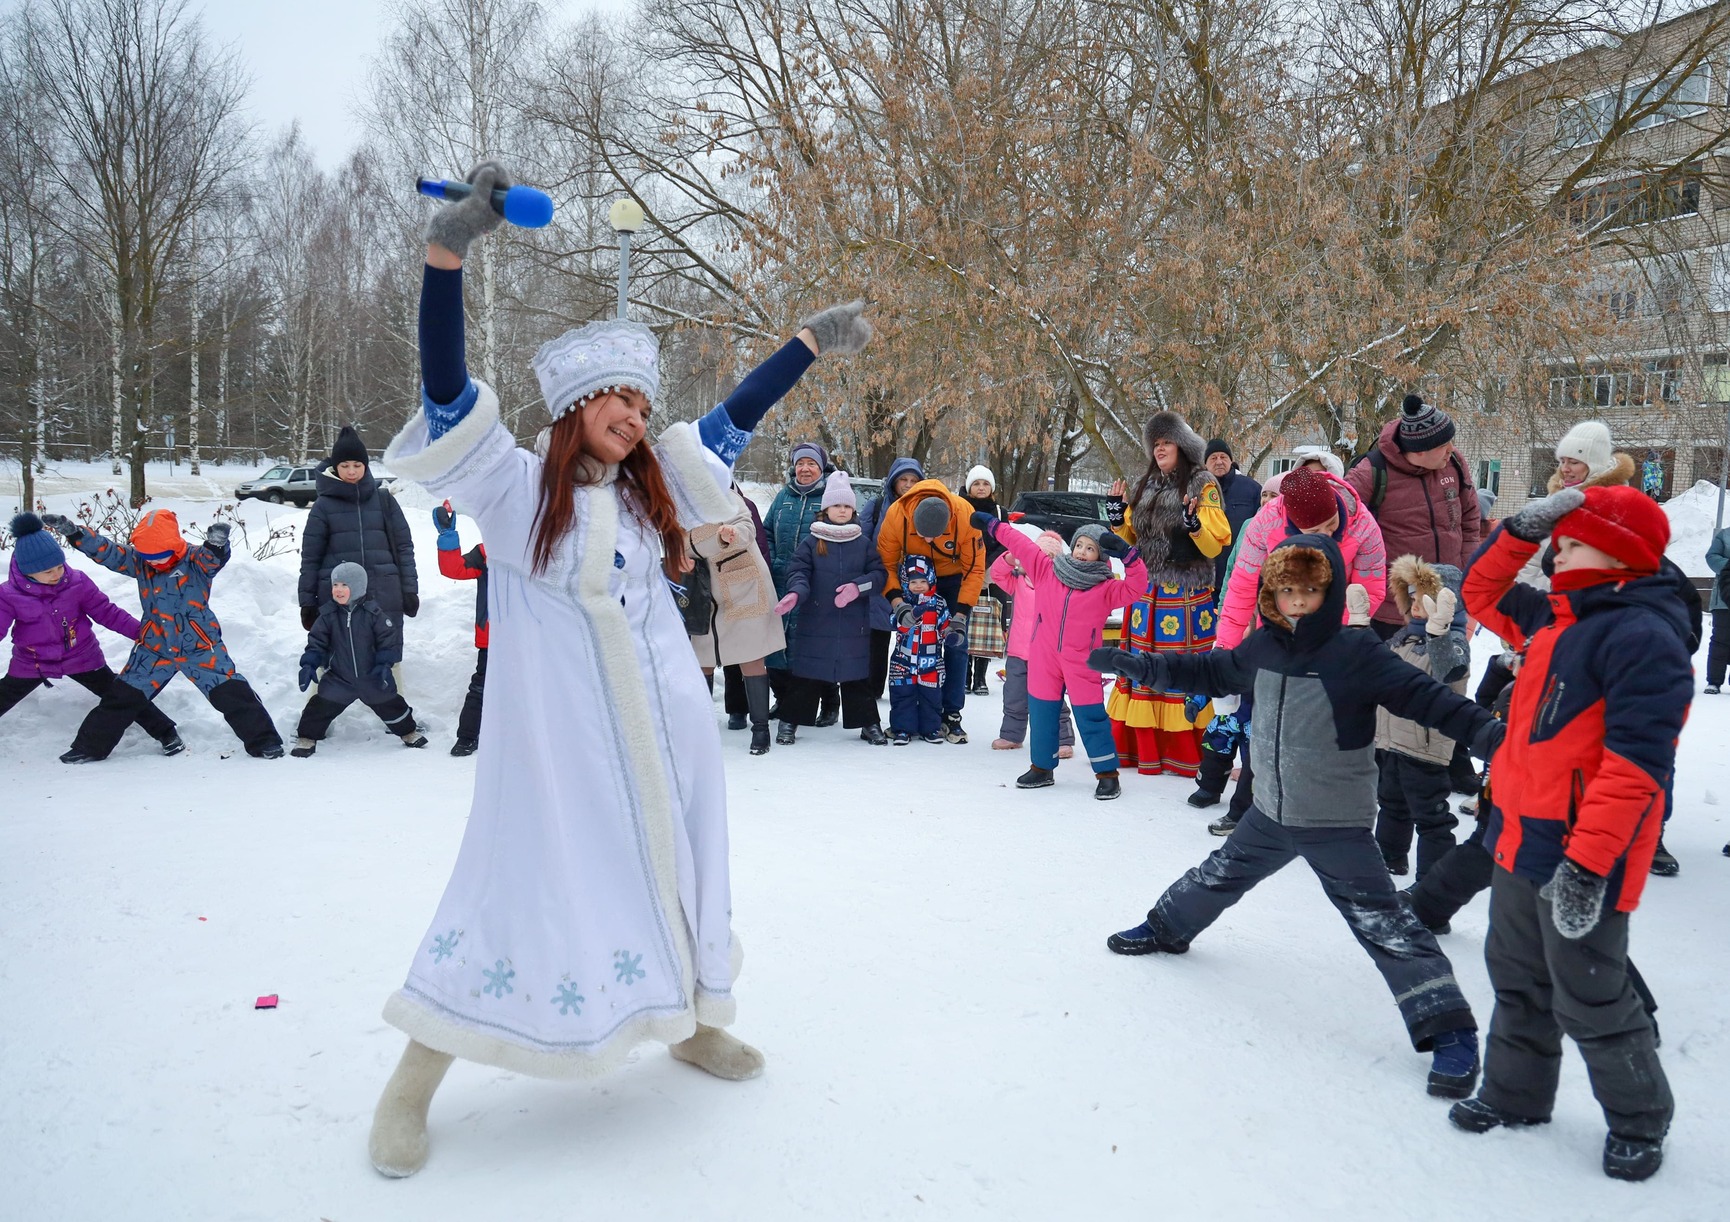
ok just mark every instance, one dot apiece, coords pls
pixel 567 464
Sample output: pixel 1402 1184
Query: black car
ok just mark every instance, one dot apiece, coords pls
pixel 1059 511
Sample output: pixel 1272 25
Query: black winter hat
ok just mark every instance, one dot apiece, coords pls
pixel 1218 446
pixel 349 447
pixel 1422 427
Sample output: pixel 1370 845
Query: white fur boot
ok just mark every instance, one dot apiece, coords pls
pixel 716 1052
pixel 398 1144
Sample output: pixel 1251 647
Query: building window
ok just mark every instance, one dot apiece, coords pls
pixel 1641 384
pixel 1637 200
pixel 1590 119
pixel 1490 475
pixel 1715 378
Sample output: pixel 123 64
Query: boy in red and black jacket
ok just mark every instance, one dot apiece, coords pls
pixel 466 566
pixel 1578 802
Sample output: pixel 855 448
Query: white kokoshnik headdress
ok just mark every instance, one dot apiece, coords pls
pixel 597 358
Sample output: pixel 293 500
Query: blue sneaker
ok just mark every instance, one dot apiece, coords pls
pixel 1454 1069
pixel 1144 939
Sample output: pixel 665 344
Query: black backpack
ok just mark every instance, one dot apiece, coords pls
pixel 696 599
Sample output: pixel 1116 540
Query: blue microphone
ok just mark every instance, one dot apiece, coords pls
pixel 527 207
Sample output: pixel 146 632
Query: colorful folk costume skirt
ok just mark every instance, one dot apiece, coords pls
pixel 1152 732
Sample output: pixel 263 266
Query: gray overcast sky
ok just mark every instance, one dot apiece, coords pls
pixel 308 58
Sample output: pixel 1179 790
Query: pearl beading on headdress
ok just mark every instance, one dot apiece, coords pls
pixel 596 359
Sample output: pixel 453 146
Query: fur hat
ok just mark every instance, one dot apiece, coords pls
pixel 1412 577
pixel 1169 426
pixel 1327 458
pixel 839 491
pixel 1290 565
pixel 36 550
pixel 918 568
pixel 1622 522
pixel 1309 498
pixel 1422 426
pixel 1218 445
pixel 349 447
pixel 595 359
pixel 352 575
pixel 931 517
pixel 1588 442
pixel 157 539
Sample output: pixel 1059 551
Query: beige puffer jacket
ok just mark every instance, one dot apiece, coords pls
pixel 746 627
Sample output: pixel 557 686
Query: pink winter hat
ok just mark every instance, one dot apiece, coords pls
pixel 839 491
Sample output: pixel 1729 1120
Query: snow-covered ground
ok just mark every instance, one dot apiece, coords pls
pixel 947 1035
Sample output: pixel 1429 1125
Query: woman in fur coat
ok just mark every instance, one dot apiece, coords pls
pixel 589 909
pixel 1176 519
pixel 745 629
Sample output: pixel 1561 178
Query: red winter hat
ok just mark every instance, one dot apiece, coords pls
pixel 1309 498
pixel 1622 522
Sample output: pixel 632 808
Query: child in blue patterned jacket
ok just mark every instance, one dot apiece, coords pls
pixel 916 666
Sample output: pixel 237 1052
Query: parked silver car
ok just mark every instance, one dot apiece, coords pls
pixel 296 485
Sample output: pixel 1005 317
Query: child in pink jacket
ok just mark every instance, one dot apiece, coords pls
pixel 1075 594
pixel 1310 502
pixel 1007 574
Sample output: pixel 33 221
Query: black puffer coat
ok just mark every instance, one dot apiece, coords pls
pixel 360 523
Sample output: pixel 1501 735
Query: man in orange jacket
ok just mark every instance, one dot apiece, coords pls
pixel 931 521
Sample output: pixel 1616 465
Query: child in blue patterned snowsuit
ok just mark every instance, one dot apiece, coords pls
pixel 181 635
pixel 916 667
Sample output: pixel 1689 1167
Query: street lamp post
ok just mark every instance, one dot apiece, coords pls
pixel 627 217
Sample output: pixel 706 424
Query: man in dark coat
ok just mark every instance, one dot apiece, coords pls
pixel 355 521
pixel 1240 493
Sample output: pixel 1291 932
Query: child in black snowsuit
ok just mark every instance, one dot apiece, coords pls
pixel 1317 685
pixel 356 643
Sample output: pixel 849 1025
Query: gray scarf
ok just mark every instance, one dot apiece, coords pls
pixel 1080 574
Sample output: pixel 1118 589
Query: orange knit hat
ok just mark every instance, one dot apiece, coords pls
pixel 157 539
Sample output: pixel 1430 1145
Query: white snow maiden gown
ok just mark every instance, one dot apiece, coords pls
pixel 589 909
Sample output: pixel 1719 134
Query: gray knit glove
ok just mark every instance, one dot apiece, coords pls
pixel 454 226
pixel 217 535
pixel 1535 522
pixel 63 526
pixel 839 329
pixel 1576 898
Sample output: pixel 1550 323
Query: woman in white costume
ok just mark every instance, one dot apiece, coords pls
pixel 589 908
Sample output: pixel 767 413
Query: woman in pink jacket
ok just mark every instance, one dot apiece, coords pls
pixel 1075 594
pixel 47 608
pixel 1310 502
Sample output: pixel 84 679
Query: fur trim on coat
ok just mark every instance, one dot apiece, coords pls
pixel 1408 573
pixel 1621 472
pixel 1290 566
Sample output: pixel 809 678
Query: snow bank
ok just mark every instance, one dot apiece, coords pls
pixel 1692 514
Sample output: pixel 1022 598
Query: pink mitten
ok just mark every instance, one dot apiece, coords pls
pixel 846 593
pixel 786 604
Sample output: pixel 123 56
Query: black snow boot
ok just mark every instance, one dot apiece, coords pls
pixel 874 735
pixel 172 745
pixel 1225 825
pixel 1035 778
pixel 1664 865
pixel 785 734
pixel 1105 786
pixel 757 700
pixel 1201 799
pixel 1145 939
pixel 736 721
pixel 1476 1116
pixel 1399 866
pixel 829 708
pixel 75 756
pixel 464 746
pixel 1632 1158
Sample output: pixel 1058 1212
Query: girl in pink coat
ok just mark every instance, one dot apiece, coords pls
pixel 1075 593
pixel 1313 502
pixel 1006 574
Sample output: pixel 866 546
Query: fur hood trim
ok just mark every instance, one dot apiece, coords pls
pixel 1410 573
pixel 1290 565
pixel 1621 473
pixel 1173 427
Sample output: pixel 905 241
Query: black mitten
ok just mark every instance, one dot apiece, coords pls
pixel 1143 669
pixel 1115 510
pixel 1112 544
pixel 1576 898
pixel 308 617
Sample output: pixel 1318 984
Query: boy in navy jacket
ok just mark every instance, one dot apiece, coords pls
pixel 355 642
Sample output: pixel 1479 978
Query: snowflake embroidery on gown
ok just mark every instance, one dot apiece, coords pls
pixel 569 1001
pixel 626 969
pixel 444 946
pixel 499 979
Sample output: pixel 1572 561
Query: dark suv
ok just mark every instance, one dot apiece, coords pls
pixel 1059 511
pixel 296 485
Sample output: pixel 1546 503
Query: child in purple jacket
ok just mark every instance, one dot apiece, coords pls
pixel 48 608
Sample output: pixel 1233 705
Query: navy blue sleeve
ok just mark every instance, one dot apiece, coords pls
pixel 727 429
pixel 1405 691
pixel 443 372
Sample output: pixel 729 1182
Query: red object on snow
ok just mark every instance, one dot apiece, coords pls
pixel 265 1003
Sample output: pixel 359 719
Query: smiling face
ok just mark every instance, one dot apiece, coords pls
pixel 918 587
pixel 48 577
pixel 806 471
pixel 349 472
pixel 1165 455
pixel 1573 471
pixel 613 423
pixel 339 593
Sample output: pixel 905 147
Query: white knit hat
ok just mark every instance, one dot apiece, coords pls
pixel 1327 458
pixel 1589 442
pixel 595 359
pixel 980 472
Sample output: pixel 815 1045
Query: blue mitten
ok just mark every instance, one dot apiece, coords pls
pixel 381 675
pixel 310 661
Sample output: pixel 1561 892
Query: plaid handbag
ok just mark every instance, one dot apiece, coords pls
pixel 985 629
